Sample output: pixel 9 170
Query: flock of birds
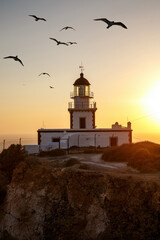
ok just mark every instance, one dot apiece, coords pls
pixel 109 24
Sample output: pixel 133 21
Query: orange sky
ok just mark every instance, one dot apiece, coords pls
pixel 121 65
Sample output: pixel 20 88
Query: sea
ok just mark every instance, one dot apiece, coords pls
pixel 24 139
pixel 31 139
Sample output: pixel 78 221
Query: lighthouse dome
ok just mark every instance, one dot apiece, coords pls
pixel 81 81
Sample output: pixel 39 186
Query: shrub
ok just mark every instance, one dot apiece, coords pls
pixel 10 158
pixel 92 149
pixel 118 154
pixel 70 162
pixel 84 166
pixel 51 153
pixel 144 156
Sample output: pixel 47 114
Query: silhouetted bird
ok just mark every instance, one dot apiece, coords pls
pixel 15 58
pixel 111 23
pixel 72 43
pixel 67 27
pixel 59 42
pixel 44 73
pixel 51 87
pixel 37 18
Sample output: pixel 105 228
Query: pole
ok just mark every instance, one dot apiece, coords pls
pixel 3 144
pixel 68 144
pixel 78 142
pixel 20 141
pixel 95 141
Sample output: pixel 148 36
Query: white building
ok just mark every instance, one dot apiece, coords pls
pixel 83 132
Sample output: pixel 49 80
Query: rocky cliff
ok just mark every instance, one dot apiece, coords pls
pixel 74 203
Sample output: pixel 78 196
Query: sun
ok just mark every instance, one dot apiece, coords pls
pixel 151 102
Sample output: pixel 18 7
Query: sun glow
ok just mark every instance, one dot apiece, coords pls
pixel 151 102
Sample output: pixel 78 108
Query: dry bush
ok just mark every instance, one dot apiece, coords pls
pixel 143 156
pixel 10 158
pixel 52 153
pixel 84 166
pixel 118 154
pixel 70 162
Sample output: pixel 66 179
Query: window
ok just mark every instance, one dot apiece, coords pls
pixel 81 91
pixel 82 122
pixel 113 141
pixel 56 140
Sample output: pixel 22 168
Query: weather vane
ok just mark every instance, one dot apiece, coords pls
pixel 81 67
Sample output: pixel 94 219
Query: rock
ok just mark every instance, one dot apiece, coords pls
pixel 49 203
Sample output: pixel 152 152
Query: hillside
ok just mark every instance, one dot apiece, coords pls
pixel 143 156
pixel 68 200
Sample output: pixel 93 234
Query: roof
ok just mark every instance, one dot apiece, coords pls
pixel 81 81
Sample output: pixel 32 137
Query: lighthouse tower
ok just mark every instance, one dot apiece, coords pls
pixel 82 109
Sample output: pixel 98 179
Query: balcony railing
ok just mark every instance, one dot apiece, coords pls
pixel 82 94
pixel 92 105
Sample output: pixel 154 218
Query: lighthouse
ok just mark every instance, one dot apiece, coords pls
pixel 83 131
pixel 82 109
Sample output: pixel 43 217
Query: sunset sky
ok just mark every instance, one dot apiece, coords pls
pixel 122 65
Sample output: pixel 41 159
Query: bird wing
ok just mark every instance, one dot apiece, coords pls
pixel 71 28
pixel 9 57
pixel 47 74
pixel 20 61
pixel 55 40
pixel 102 19
pixel 51 87
pixel 42 19
pixel 63 28
pixel 120 24
pixel 72 43
pixel 64 43
pixel 43 73
pixel 33 16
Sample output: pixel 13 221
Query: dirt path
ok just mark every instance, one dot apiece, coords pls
pixel 94 160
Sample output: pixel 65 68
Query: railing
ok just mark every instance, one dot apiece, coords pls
pixel 92 105
pixel 82 94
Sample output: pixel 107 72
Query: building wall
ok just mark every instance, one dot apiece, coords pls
pixel 87 115
pixel 97 139
pixel 81 102
pixel 81 139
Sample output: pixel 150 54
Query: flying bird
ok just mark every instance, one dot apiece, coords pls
pixel 15 58
pixel 37 18
pixel 44 73
pixel 51 87
pixel 67 27
pixel 59 42
pixel 72 43
pixel 111 23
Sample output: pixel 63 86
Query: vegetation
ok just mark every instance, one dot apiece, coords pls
pixel 10 158
pixel 143 156
pixel 84 166
pixel 51 153
pixel 70 162
pixel 92 149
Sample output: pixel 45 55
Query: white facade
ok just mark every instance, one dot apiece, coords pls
pixel 66 138
pixel 32 149
pixel 88 119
